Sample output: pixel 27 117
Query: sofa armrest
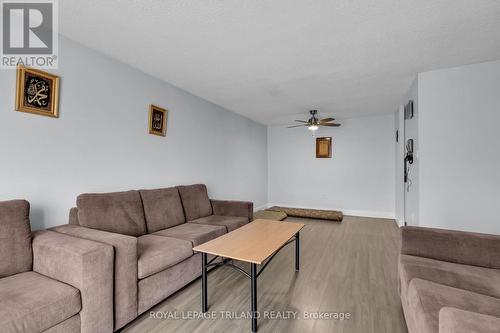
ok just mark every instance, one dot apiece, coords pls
pixel 85 265
pixel 233 208
pixel 453 320
pixel 459 247
pixel 73 216
pixel 125 268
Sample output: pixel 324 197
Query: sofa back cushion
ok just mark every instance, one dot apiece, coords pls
pixel 162 208
pixel 15 238
pixel 118 212
pixel 195 201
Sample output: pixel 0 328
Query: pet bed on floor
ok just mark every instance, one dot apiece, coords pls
pixel 333 215
pixel 269 215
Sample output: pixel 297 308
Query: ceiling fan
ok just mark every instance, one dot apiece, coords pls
pixel 313 123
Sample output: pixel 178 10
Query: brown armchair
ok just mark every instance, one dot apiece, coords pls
pixel 50 282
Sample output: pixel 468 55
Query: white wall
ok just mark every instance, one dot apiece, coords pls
pixel 460 147
pixel 399 152
pixel 358 179
pixel 100 141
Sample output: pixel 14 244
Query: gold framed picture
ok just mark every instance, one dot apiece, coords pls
pixel 324 147
pixel 157 120
pixel 37 92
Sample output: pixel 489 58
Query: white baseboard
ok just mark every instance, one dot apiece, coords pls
pixel 368 213
pixel 260 207
pixel 352 212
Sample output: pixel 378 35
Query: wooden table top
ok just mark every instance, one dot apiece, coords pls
pixel 254 242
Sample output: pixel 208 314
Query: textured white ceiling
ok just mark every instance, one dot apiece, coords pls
pixel 273 60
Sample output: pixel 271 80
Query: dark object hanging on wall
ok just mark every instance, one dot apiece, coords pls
pixel 409 110
pixel 157 120
pixel 408 157
pixel 37 92
pixel 324 147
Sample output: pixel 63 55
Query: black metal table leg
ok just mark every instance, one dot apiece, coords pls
pixel 204 293
pixel 297 251
pixel 253 279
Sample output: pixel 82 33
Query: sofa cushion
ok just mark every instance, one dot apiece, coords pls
pixel 156 253
pixel 15 237
pixel 230 222
pixel 30 302
pixel 480 280
pixel 70 325
pixel 195 201
pixel 426 298
pixel 157 287
pixel 195 233
pixel 453 320
pixel 162 208
pixel 119 212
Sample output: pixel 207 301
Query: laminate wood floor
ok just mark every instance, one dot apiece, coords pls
pixel 348 267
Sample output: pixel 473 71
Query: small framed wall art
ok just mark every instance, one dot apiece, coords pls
pixel 157 120
pixel 324 147
pixel 37 92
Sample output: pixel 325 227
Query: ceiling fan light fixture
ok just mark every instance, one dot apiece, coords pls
pixel 313 123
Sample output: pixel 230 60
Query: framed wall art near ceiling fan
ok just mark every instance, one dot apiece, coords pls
pixel 324 147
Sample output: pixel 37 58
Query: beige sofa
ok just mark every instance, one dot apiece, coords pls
pixel 450 281
pixel 152 233
pixel 50 282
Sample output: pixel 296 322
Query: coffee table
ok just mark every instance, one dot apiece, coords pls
pixel 256 243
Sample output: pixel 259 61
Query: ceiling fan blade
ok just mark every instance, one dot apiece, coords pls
pixel 297 126
pixel 301 121
pixel 326 120
pixel 330 125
